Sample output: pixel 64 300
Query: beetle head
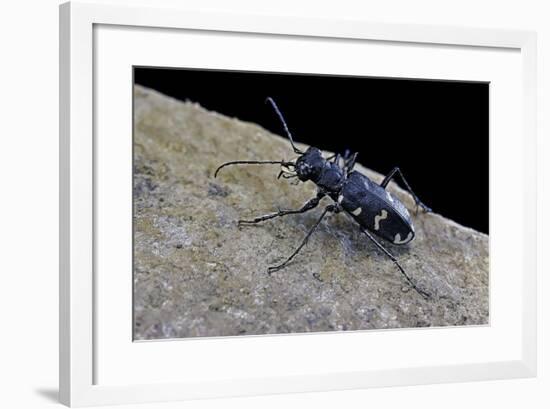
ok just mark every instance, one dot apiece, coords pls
pixel 310 165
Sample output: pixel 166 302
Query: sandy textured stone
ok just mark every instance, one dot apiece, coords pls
pixel 198 274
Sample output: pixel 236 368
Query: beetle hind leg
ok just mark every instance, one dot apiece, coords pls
pixel 417 201
pixel 423 293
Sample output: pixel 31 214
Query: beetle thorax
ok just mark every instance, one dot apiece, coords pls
pixel 312 166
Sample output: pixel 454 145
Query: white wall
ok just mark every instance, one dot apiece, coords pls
pixel 28 201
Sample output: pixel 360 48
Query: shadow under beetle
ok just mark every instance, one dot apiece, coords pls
pixel 370 205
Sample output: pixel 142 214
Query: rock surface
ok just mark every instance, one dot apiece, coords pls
pixel 196 273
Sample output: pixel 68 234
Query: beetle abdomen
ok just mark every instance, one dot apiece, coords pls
pixel 376 209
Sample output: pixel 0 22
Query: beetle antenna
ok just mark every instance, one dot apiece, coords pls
pixel 285 126
pixel 254 162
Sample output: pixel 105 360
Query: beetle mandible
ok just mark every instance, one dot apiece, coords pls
pixel 369 204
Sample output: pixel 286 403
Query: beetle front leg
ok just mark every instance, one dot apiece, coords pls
pixel 390 176
pixel 309 205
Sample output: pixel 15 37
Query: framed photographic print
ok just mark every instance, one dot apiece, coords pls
pixel 255 204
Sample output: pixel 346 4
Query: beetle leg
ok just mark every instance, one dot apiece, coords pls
pixel 310 204
pixel 389 177
pixel 392 258
pixel 350 163
pixel 329 208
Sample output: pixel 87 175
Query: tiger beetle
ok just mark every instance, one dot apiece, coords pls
pixel 370 205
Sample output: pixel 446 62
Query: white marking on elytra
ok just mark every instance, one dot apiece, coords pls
pixel 357 211
pixel 383 215
pixel 397 239
pixel 340 198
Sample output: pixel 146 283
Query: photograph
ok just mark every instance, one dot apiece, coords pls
pixel 288 203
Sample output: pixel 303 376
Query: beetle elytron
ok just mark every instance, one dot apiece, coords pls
pixel 374 209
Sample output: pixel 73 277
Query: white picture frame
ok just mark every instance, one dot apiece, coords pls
pixel 80 292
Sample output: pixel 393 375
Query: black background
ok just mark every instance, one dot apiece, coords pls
pixel 437 132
